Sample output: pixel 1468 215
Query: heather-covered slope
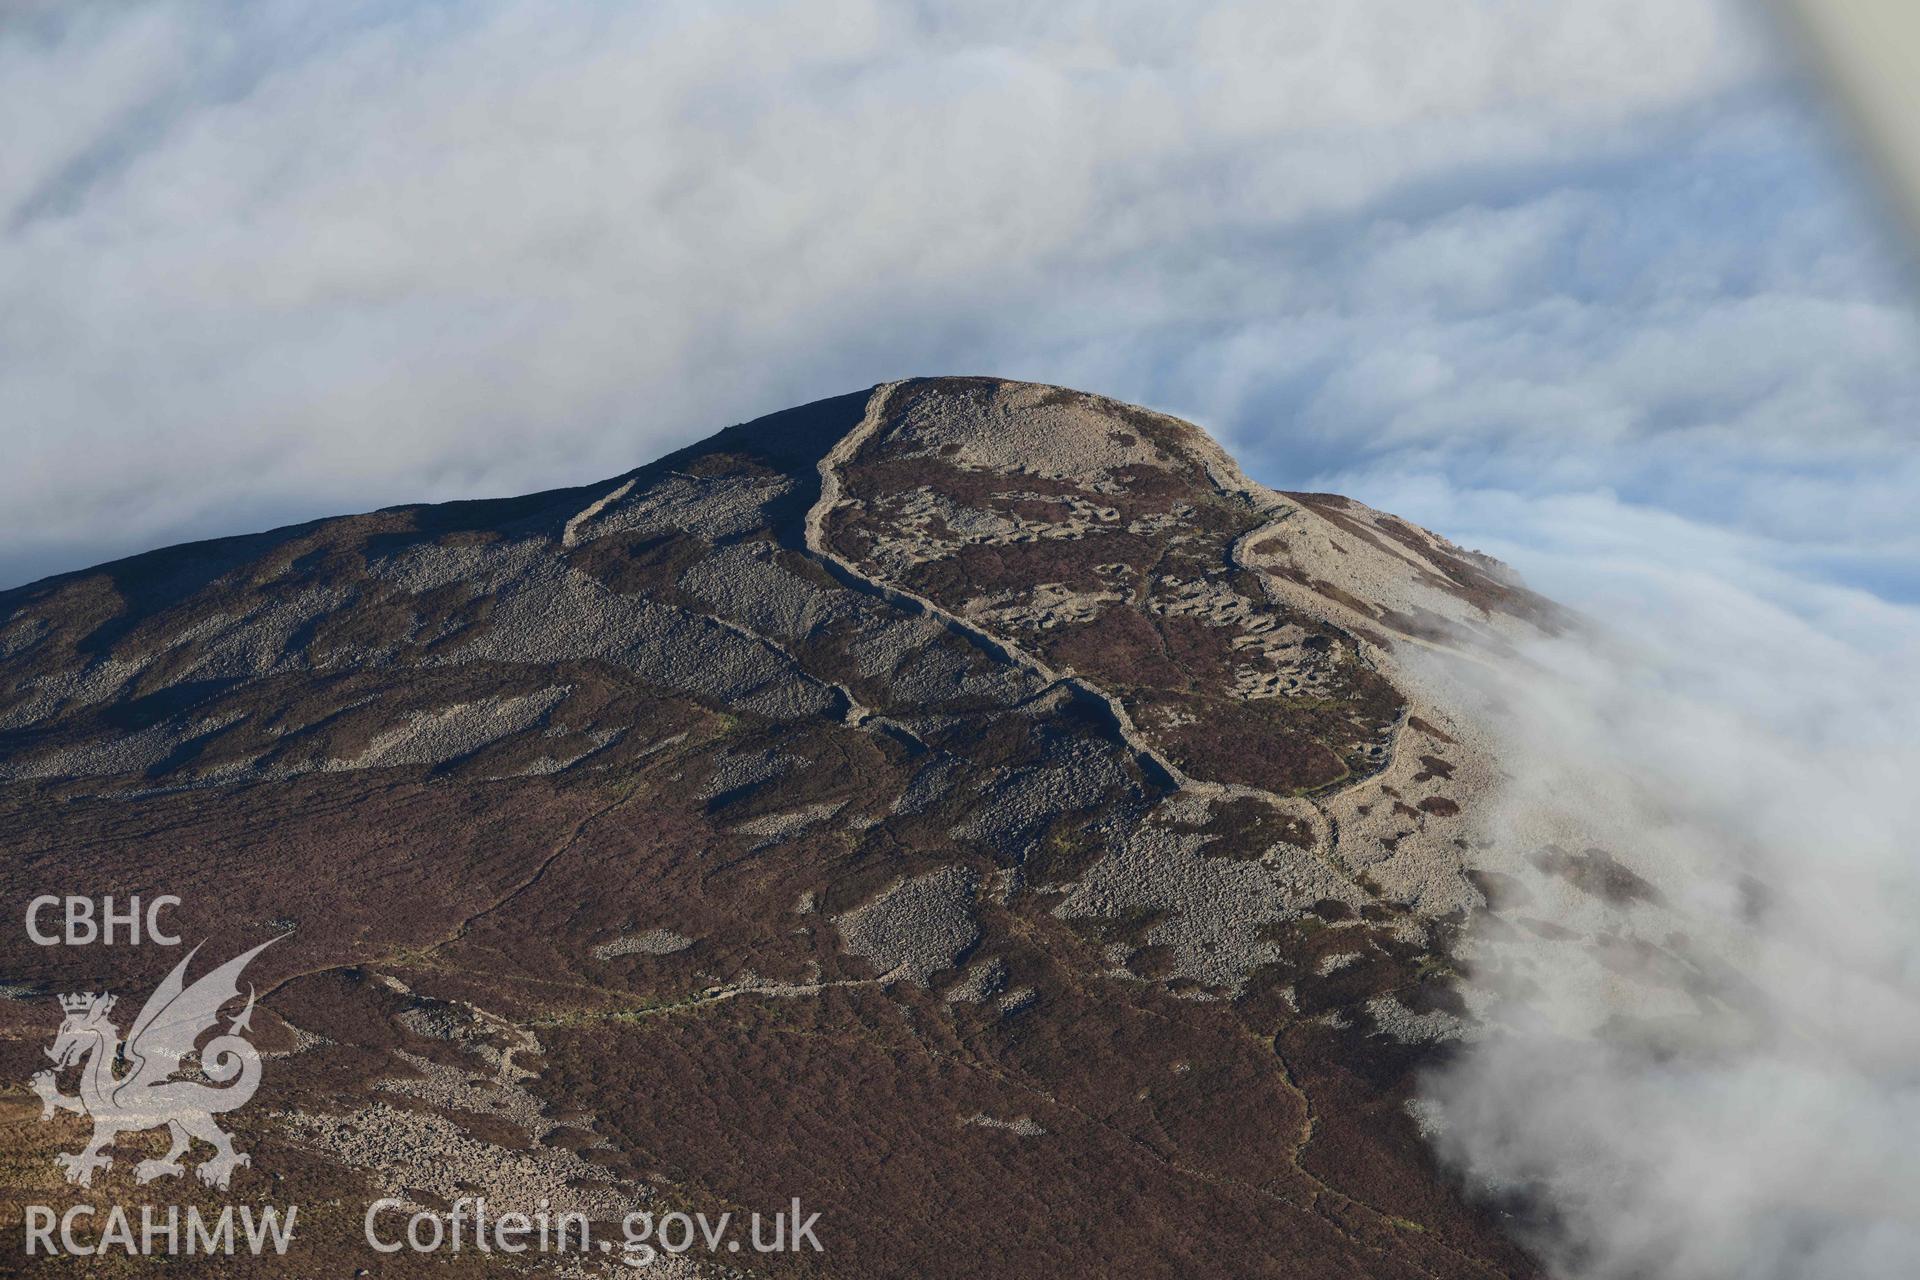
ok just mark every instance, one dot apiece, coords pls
pixel 971 807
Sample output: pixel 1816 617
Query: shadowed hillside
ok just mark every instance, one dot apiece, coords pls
pixel 973 808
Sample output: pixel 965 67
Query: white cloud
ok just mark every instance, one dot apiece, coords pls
pixel 1745 738
pixel 271 261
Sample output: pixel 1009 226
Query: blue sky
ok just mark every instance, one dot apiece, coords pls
pixel 274 261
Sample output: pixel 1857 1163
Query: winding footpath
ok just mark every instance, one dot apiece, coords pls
pixel 1149 757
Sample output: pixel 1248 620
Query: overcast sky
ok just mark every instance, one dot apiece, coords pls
pixel 268 261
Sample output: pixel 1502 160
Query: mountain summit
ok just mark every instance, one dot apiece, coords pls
pixel 973 808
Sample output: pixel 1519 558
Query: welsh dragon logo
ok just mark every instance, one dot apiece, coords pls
pixel 149 1092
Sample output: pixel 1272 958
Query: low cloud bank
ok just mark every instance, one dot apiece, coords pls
pixel 1712 1070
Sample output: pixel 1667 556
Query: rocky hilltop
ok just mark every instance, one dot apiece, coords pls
pixel 971 807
